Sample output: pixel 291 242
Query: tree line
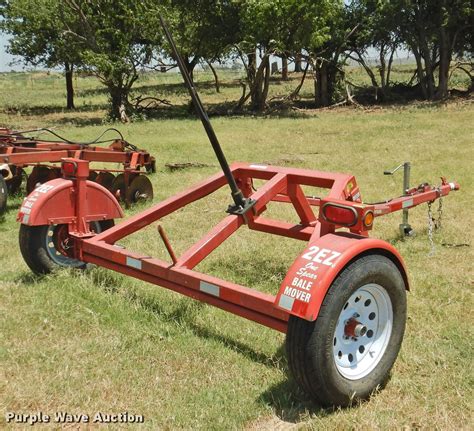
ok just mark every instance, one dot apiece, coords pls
pixel 114 40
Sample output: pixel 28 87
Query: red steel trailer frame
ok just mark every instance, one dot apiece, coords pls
pixel 77 202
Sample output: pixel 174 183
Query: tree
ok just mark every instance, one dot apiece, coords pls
pixel 37 30
pixel 281 27
pixel 376 28
pixel 203 30
pixel 111 34
pixel 325 44
pixel 434 30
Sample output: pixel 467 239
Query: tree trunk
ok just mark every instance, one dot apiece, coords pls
pixel 118 102
pixel 266 86
pixel 420 73
pixel 321 88
pixel 386 90
pixel 444 63
pixel 284 68
pixel 260 84
pixel 69 69
pixel 216 78
pixel 429 67
pixel 298 68
pixel 383 66
pixel 252 66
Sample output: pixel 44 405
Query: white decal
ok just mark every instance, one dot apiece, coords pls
pixel 297 294
pixel 311 253
pixel 317 255
pixel 305 271
pixel 329 260
pixel 302 284
pixel 44 188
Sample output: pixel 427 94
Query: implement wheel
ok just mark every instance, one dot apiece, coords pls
pixel 93 175
pixel 347 353
pixel 119 184
pixel 46 248
pixel 14 183
pixel 105 179
pixel 140 189
pixel 39 175
pixel 3 195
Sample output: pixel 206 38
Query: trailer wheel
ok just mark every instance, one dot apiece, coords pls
pixel 348 351
pixel 3 194
pixel 49 247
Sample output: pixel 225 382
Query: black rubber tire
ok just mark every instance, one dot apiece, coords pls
pixel 3 195
pixel 36 255
pixel 309 345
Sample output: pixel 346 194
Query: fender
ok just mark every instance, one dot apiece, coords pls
pixel 54 203
pixel 305 286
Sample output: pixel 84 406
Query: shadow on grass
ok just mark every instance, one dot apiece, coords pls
pixel 90 121
pixel 28 277
pixel 286 399
pixel 184 316
pixel 62 116
pixel 52 109
pixel 162 89
pixel 290 404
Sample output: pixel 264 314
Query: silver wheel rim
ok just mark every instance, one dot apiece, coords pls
pixel 363 331
pixel 56 256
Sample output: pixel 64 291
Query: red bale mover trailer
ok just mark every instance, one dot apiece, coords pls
pixel 342 303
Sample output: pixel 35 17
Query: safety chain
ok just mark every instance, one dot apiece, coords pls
pixel 434 224
pixel 430 229
pixel 440 213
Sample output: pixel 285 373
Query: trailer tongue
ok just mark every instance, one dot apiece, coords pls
pixel 342 303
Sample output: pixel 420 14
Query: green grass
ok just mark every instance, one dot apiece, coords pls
pixel 98 341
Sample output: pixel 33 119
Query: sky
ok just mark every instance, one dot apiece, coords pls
pixel 6 58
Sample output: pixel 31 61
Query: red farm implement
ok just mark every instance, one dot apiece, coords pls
pixel 342 303
pixel 127 182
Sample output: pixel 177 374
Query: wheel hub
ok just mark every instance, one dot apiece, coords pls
pixel 354 328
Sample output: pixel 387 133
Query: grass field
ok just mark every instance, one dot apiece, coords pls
pixel 98 341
